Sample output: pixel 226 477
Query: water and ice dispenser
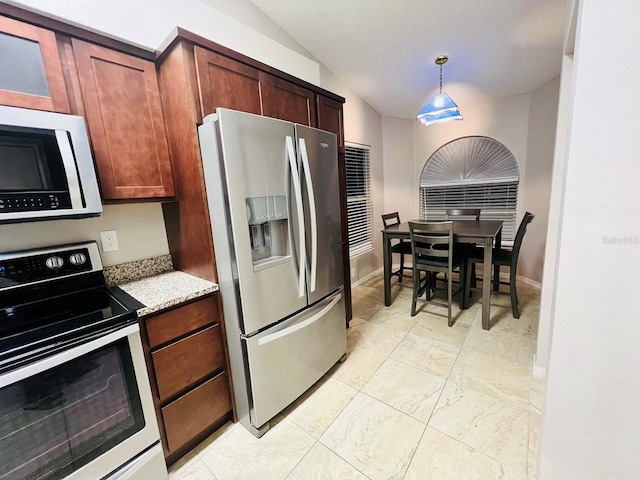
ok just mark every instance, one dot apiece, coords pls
pixel 268 230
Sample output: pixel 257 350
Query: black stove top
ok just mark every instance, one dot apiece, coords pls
pixel 44 310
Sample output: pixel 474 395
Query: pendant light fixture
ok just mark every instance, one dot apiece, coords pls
pixel 440 108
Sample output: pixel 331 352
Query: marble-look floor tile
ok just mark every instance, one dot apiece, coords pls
pixel 366 302
pixel 322 464
pixel 426 354
pixel 354 322
pixel 513 347
pixel 238 455
pixel 317 408
pixel 375 438
pixel 435 329
pixel 408 389
pixel 399 319
pixel 190 467
pixel 495 427
pixel 492 376
pixel 439 457
pixel 377 338
pixel 535 430
pixel 358 368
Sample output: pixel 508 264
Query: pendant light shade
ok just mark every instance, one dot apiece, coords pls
pixel 440 108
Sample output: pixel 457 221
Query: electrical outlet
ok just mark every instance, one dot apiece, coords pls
pixel 109 241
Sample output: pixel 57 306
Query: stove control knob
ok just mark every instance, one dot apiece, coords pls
pixel 54 263
pixel 78 258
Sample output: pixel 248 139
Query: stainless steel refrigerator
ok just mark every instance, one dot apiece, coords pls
pixel 274 203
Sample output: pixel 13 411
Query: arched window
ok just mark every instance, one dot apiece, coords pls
pixel 472 172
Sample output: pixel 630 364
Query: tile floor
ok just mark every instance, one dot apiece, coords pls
pixel 414 400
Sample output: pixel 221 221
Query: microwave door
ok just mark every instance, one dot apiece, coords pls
pixel 46 167
pixel 70 170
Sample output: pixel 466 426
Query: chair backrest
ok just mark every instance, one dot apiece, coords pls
pixel 427 235
pixel 462 213
pixel 517 243
pixel 390 219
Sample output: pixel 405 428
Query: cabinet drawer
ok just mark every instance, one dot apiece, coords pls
pixel 194 412
pixel 168 326
pixel 185 362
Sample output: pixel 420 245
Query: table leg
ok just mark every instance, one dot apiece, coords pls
pixel 386 260
pixel 496 268
pixel 486 284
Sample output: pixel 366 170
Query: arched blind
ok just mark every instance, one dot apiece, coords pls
pixel 472 172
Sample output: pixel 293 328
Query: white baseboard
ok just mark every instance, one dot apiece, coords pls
pixel 538 371
pixel 380 271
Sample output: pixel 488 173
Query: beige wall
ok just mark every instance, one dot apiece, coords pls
pixel 399 167
pixel 543 113
pixel 140 230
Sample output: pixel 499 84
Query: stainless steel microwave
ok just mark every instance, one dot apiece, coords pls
pixel 46 167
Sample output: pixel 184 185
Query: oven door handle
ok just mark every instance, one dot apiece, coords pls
pixel 59 358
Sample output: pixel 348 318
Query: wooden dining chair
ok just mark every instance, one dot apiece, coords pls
pixel 507 258
pixel 462 214
pixel 471 214
pixel 433 252
pixel 403 247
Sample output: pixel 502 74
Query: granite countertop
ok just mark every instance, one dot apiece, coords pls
pixel 165 290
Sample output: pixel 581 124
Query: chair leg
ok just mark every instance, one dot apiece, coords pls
pixel 450 297
pixel 401 267
pixel 514 294
pixel 471 267
pixel 465 277
pixel 416 290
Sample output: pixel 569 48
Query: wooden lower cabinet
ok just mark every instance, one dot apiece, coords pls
pixel 189 415
pixel 187 362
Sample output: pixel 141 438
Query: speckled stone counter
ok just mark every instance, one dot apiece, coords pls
pixel 166 290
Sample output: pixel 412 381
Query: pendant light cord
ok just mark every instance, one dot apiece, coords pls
pixel 440 78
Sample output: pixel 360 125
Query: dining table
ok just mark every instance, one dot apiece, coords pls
pixel 487 233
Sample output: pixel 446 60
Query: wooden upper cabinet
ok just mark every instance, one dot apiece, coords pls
pixel 226 83
pixel 126 125
pixel 30 69
pixel 287 101
pixel 330 117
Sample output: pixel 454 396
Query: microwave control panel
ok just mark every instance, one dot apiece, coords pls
pixel 34 201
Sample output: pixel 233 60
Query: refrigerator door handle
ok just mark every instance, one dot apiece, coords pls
pixel 312 214
pixel 293 164
pixel 301 325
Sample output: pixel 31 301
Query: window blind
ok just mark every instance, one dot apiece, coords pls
pixel 498 201
pixel 359 204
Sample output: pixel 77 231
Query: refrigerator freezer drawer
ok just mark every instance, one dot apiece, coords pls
pixel 287 359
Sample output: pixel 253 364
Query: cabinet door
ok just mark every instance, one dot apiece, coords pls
pixel 30 68
pixel 287 101
pixel 330 117
pixel 226 83
pixel 126 125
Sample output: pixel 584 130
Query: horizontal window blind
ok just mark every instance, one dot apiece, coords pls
pixel 497 201
pixel 359 204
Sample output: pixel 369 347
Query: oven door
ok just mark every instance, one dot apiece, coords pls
pixel 81 413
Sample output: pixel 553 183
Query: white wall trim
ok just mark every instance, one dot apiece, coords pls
pixel 367 277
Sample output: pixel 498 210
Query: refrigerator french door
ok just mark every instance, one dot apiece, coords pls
pixel 272 190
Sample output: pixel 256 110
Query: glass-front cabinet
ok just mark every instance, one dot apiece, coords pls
pixel 30 69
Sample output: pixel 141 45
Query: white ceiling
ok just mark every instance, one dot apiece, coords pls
pixel 384 50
